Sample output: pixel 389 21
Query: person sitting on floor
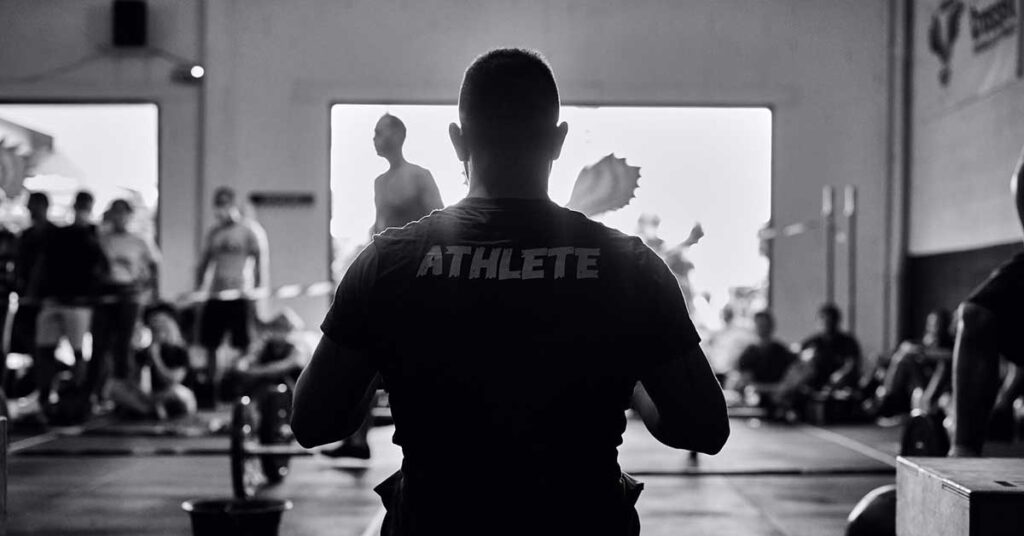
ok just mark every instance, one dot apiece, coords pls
pixel 829 360
pixel 279 358
pixel 914 364
pixel 762 364
pixel 156 390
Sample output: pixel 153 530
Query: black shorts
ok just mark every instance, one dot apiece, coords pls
pixel 220 318
pixel 1003 295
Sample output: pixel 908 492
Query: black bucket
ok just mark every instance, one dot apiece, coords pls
pixel 236 517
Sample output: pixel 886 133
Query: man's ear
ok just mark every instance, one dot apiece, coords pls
pixel 459 142
pixel 561 131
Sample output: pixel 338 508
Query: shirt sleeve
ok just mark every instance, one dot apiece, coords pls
pixel 666 329
pixel 746 360
pixel 348 320
pixel 152 251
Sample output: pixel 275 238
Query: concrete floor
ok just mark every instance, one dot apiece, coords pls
pixel 769 480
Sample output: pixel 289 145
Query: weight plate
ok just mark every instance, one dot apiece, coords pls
pixel 924 435
pixel 275 429
pixel 246 473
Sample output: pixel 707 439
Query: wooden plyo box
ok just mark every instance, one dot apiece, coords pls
pixel 960 496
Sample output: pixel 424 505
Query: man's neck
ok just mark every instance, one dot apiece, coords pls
pixel 483 191
pixel 504 183
pixel 395 160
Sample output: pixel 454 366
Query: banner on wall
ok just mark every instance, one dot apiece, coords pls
pixel 964 49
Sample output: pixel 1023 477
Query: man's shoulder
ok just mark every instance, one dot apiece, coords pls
pixel 419 171
pixel 413 230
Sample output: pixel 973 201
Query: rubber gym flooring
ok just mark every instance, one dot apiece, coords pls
pixel 769 480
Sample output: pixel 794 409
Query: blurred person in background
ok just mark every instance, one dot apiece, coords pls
pixel 762 364
pixel 401 195
pixel 233 267
pixel 915 364
pixel 30 248
pixel 405 192
pixel 829 359
pixel 8 285
pixel 134 266
pixel 724 346
pixel 279 358
pixel 155 389
pixel 72 268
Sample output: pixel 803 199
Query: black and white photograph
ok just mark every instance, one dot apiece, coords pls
pixel 512 267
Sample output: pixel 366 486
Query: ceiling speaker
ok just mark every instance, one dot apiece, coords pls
pixel 129 23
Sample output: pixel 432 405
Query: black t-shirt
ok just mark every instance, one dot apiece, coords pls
pixel 510 334
pixel 30 248
pixel 73 263
pixel 173 357
pixel 766 363
pixel 830 353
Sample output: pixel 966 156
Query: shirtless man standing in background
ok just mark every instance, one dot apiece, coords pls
pixel 233 266
pixel 405 192
pixel 401 195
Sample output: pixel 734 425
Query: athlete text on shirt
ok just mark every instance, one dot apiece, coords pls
pixel 508 263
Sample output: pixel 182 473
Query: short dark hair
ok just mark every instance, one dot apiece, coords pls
pixel 122 204
pixel 84 200
pixel 765 315
pixel 223 196
pixel 508 89
pixel 831 311
pixel 38 197
pixel 157 308
pixel 396 124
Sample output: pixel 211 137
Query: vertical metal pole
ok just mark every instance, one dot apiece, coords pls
pixel 3 476
pixel 850 211
pixel 828 215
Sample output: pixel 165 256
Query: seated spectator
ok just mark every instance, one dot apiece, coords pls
pixel 914 364
pixel 279 357
pixel 163 364
pixel 725 345
pixel 829 360
pixel 762 364
pixel 834 355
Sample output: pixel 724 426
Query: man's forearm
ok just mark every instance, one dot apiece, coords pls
pixel 693 415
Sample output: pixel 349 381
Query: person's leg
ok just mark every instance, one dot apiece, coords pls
pixel 975 378
pixel 44 365
pixel 904 375
pixel 211 334
pixel 99 362
pixel 240 319
pixel 129 399
pixel 77 321
pixel 125 318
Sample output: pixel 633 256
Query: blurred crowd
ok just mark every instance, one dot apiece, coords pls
pixel 86 331
pixel 825 377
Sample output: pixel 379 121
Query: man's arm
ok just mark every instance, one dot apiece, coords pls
pixel 260 254
pixel 332 395
pixel 174 375
pixel 681 403
pixel 334 390
pixel 378 212
pixel 204 260
pixel 431 194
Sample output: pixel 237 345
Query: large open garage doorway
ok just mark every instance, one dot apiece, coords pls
pixel 107 149
pixel 706 166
